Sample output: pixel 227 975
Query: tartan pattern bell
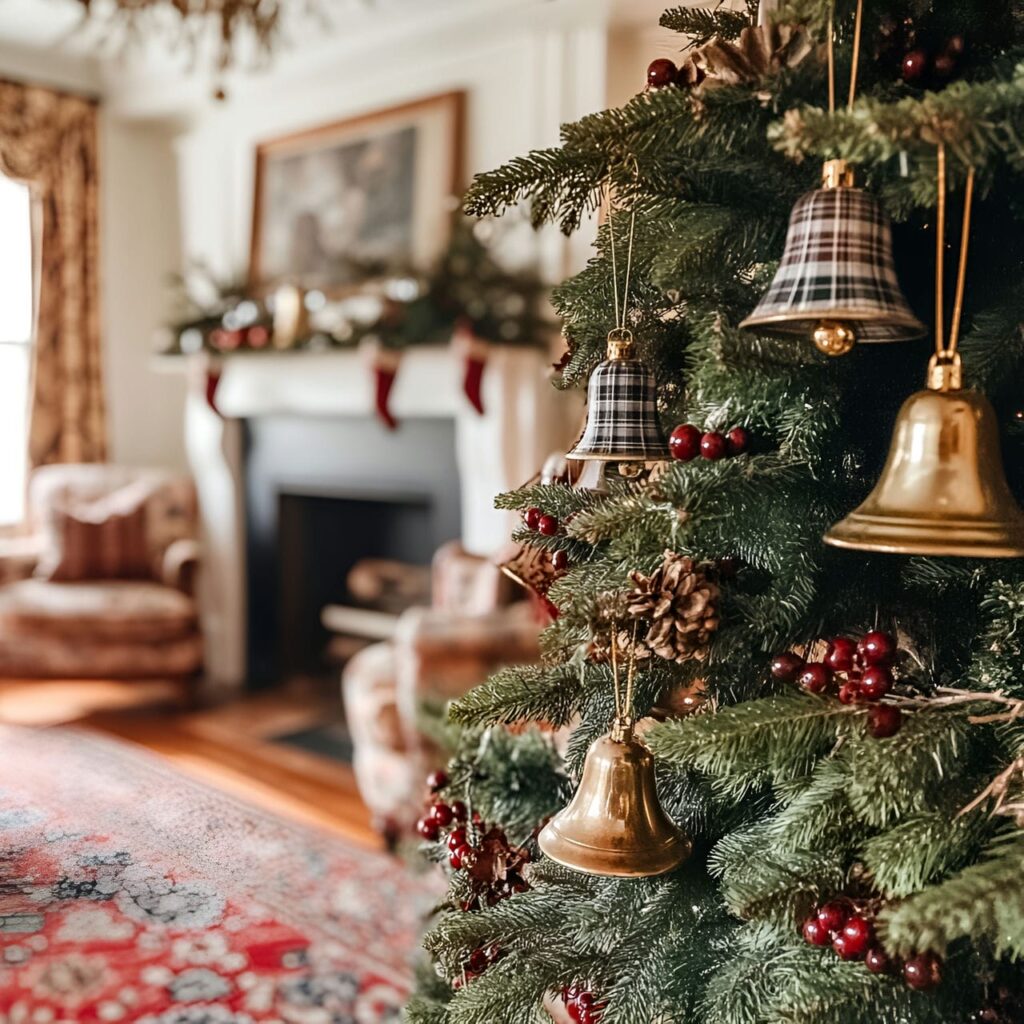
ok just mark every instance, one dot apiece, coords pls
pixel 622 412
pixel 837 267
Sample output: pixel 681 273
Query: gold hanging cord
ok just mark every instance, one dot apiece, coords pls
pixel 623 704
pixel 621 333
pixel 858 22
pixel 946 352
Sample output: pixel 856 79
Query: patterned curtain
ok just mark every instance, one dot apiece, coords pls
pixel 48 139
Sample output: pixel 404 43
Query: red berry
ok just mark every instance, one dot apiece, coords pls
pixel 459 810
pixel 839 656
pixel 428 828
pixel 832 916
pixel 460 856
pixel 714 446
pixel 559 561
pixel 456 838
pixel 877 648
pixel 945 65
pixel 859 935
pixel 815 677
pixel 849 691
pixel 532 518
pixel 738 440
pixel 786 666
pixel 684 442
pixel 877 961
pixel 915 65
pixel 842 948
pixel 660 72
pixel 884 721
pixel 437 780
pixel 478 961
pixel 875 682
pixel 924 971
pixel 442 814
pixel 815 933
pixel 955 46
pixel 548 525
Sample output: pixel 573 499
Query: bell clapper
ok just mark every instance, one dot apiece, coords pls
pixel 834 338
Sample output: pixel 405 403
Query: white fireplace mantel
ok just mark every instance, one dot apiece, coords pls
pixel 525 419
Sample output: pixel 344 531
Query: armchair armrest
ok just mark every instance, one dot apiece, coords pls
pixel 180 565
pixel 19 557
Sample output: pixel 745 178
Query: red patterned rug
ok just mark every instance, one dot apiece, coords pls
pixel 130 892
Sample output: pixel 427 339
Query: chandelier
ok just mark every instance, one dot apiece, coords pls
pixel 233 29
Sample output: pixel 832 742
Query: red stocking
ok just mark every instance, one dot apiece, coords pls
pixel 212 382
pixel 384 376
pixel 474 355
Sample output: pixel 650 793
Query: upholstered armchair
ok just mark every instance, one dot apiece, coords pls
pixel 438 653
pixel 101 587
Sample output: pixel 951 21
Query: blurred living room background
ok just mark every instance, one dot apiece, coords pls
pixel 261 381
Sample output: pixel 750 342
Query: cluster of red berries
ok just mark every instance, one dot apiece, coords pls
pixel 852 936
pixel 662 72
pixel 494 865
pixel 863 670
pixel 541 522
pixel 478 962
pixel 582 1005
pixel 440 815
pixel 686 442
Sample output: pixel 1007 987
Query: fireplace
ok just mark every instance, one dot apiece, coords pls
pixel 323 493
pixel 299 428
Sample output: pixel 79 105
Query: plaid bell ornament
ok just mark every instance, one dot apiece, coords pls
pixel 837 280
pixel 622 412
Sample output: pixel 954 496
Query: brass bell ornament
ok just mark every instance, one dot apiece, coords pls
pixel 942 490
pixel 615 825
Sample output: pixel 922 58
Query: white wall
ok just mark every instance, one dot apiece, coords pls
pixel 141 248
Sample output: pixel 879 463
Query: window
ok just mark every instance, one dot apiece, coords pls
pixel 15 344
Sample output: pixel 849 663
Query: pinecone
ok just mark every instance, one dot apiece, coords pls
pixel 680 601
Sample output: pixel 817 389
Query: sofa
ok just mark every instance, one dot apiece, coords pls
pixel 474 625
pixel 102 583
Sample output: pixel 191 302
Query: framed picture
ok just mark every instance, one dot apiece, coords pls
pixel 335 203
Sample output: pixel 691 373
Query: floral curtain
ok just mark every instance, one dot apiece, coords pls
pixel 48 139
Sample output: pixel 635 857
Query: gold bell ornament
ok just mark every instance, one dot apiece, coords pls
pixel 942 490
pixel 622 424
pixel 837 280
pixel 615 826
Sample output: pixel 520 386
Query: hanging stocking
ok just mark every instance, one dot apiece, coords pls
pixel 213 375
pixel 474 352
pixel 385 369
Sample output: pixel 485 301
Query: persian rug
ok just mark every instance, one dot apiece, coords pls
pixel 130 892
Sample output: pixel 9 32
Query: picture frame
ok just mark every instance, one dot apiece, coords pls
pixel 344 201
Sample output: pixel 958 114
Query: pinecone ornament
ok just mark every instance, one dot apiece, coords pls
pixel 679 600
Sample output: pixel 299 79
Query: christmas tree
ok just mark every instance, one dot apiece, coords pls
pixel 839 730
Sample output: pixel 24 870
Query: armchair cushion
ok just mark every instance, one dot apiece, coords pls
pixel 102 540
pixel 126 611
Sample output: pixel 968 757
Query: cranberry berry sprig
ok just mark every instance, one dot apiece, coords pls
pixel 847 925
pixel 686 442
pixel 582 1004
pixel 857 671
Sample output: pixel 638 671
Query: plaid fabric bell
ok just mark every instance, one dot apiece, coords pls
pixel 622 415
pixel 837 266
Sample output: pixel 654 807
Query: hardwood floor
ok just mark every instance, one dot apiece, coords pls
pixel 229 746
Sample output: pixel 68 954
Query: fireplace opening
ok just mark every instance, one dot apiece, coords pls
pixel 328 495
pixel 354 554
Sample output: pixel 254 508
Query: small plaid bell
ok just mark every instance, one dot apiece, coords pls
pixel 837 280
pixel 622 413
